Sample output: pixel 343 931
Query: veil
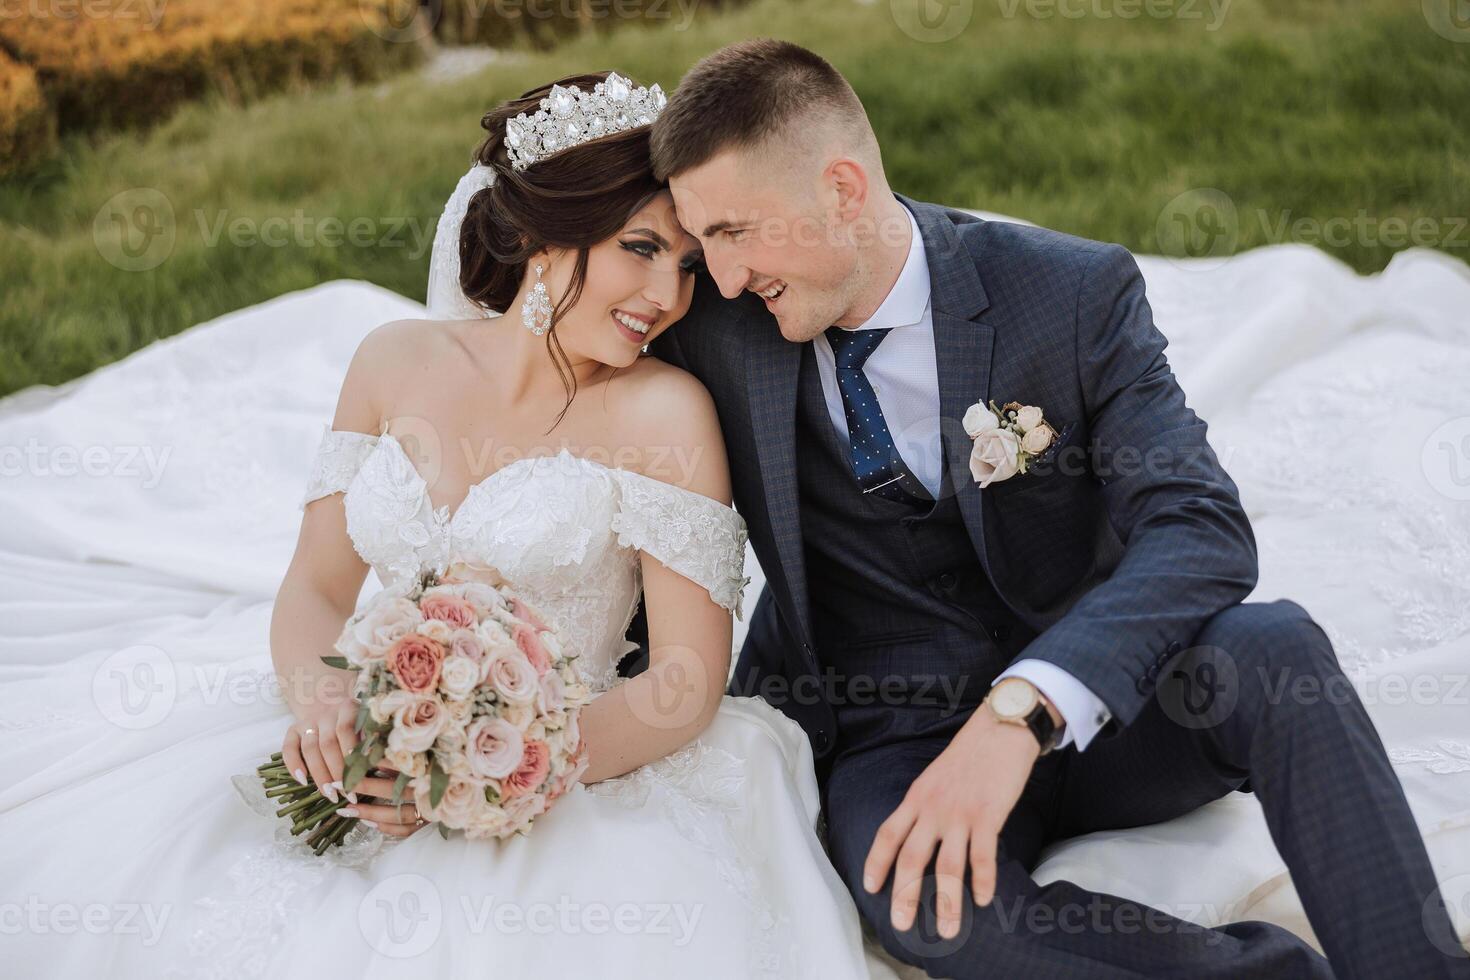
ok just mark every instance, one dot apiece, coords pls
pixel 446 300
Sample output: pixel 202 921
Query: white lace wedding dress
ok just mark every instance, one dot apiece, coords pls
pixel 705 863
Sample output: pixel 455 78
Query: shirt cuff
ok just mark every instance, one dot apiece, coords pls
pixel 1083 712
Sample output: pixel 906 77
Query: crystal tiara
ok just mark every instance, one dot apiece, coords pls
pixel 570 116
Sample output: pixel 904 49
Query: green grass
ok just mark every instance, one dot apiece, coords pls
pixel 1354 111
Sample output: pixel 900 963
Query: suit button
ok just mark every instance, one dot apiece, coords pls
pixel 822 741
pixel 947 582
pixel 1001 633
pixel 1142 684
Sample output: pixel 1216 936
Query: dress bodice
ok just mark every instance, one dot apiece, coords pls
pixel 563 531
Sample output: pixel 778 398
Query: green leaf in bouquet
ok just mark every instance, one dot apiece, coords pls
pixel 399 785
pixel 340 662
pixel 443 830
pixel 438 783
pixel 379 750
pixel 357 767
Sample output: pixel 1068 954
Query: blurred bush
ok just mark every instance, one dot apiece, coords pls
pixel 27 125
pixel 124 62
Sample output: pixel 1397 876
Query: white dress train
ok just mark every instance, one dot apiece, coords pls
pixel 703 864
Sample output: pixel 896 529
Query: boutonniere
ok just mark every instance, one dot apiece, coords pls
pixel 1006 439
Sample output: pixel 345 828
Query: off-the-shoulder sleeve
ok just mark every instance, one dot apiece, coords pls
pixel 338 458
pixel 696 536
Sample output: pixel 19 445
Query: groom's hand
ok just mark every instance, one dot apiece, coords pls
pixel 958 805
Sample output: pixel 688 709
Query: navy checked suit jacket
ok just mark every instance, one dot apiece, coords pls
pixel 1115 548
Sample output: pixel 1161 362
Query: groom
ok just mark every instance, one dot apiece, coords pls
pixel 984 671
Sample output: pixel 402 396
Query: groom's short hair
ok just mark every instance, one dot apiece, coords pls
pixel 746 93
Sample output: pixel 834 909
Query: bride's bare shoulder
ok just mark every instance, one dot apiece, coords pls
pixel 674 419
pixel 388 357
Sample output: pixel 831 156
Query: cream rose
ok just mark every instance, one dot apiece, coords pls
pixel 979 419
pixel 1028 417
pixel 385 621
pixel 417 724
pixel 495 748
pixel 994 457
pixel 437 630
pixel 519 715
pixel 512 676
pixel 459 678
pixel 456 807
pixel 1036 440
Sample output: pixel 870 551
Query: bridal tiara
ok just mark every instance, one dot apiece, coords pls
pixel 569 117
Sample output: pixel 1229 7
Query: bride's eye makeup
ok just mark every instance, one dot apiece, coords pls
pixel 641 247
pixel 648 249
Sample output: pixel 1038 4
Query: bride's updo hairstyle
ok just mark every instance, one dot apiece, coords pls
pixel 572 199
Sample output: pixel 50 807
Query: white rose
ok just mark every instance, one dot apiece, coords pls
pixel 519 715
pixel 1037 439
pixel 1028 418
pixel 404 761
pixel 386 620
pixel 437 630
pixel 459 678
pixel 979 419
pixel 994 457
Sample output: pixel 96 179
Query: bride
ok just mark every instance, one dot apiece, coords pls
pixel 539 448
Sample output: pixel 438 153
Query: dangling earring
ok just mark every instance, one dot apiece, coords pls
pixel 536 308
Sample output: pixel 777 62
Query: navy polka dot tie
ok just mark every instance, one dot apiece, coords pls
pixel 875 459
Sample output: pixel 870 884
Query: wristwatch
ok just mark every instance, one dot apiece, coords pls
pixel 1016 701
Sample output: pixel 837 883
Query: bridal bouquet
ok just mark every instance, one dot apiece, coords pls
pixel 467 694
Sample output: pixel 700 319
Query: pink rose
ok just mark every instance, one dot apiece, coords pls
pixel 994 457
pixel 528 641
pixel 415 661
pixel 526 614
pixel 464 643
pixel 495 748
pixel 1028 417
pixel 450 609
pixel 531 773
pixel 513 678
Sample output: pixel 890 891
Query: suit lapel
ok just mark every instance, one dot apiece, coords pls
pixel 963 346
pixel 963 350
pixel 772 364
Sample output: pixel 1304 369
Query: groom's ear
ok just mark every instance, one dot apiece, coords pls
pixel 847 183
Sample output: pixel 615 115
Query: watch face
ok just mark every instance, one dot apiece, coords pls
pixel 1013 699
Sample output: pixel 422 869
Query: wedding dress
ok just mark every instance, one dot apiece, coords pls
pixel 704 863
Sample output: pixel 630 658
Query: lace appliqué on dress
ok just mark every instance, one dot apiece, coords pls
pixel 698 537
pixel 700 788
pixel 1446 758
pixel 338 458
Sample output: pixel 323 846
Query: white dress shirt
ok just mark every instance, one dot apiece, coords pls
pixel 904 373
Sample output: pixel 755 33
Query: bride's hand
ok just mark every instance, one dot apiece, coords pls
pixel 317 745
pixel 395 820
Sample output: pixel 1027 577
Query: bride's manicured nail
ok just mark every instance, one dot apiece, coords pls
pixel 329 790
pixel 348 811
pixel 351 797
pixel 371 824
pixel 869 883
pixel 300 777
